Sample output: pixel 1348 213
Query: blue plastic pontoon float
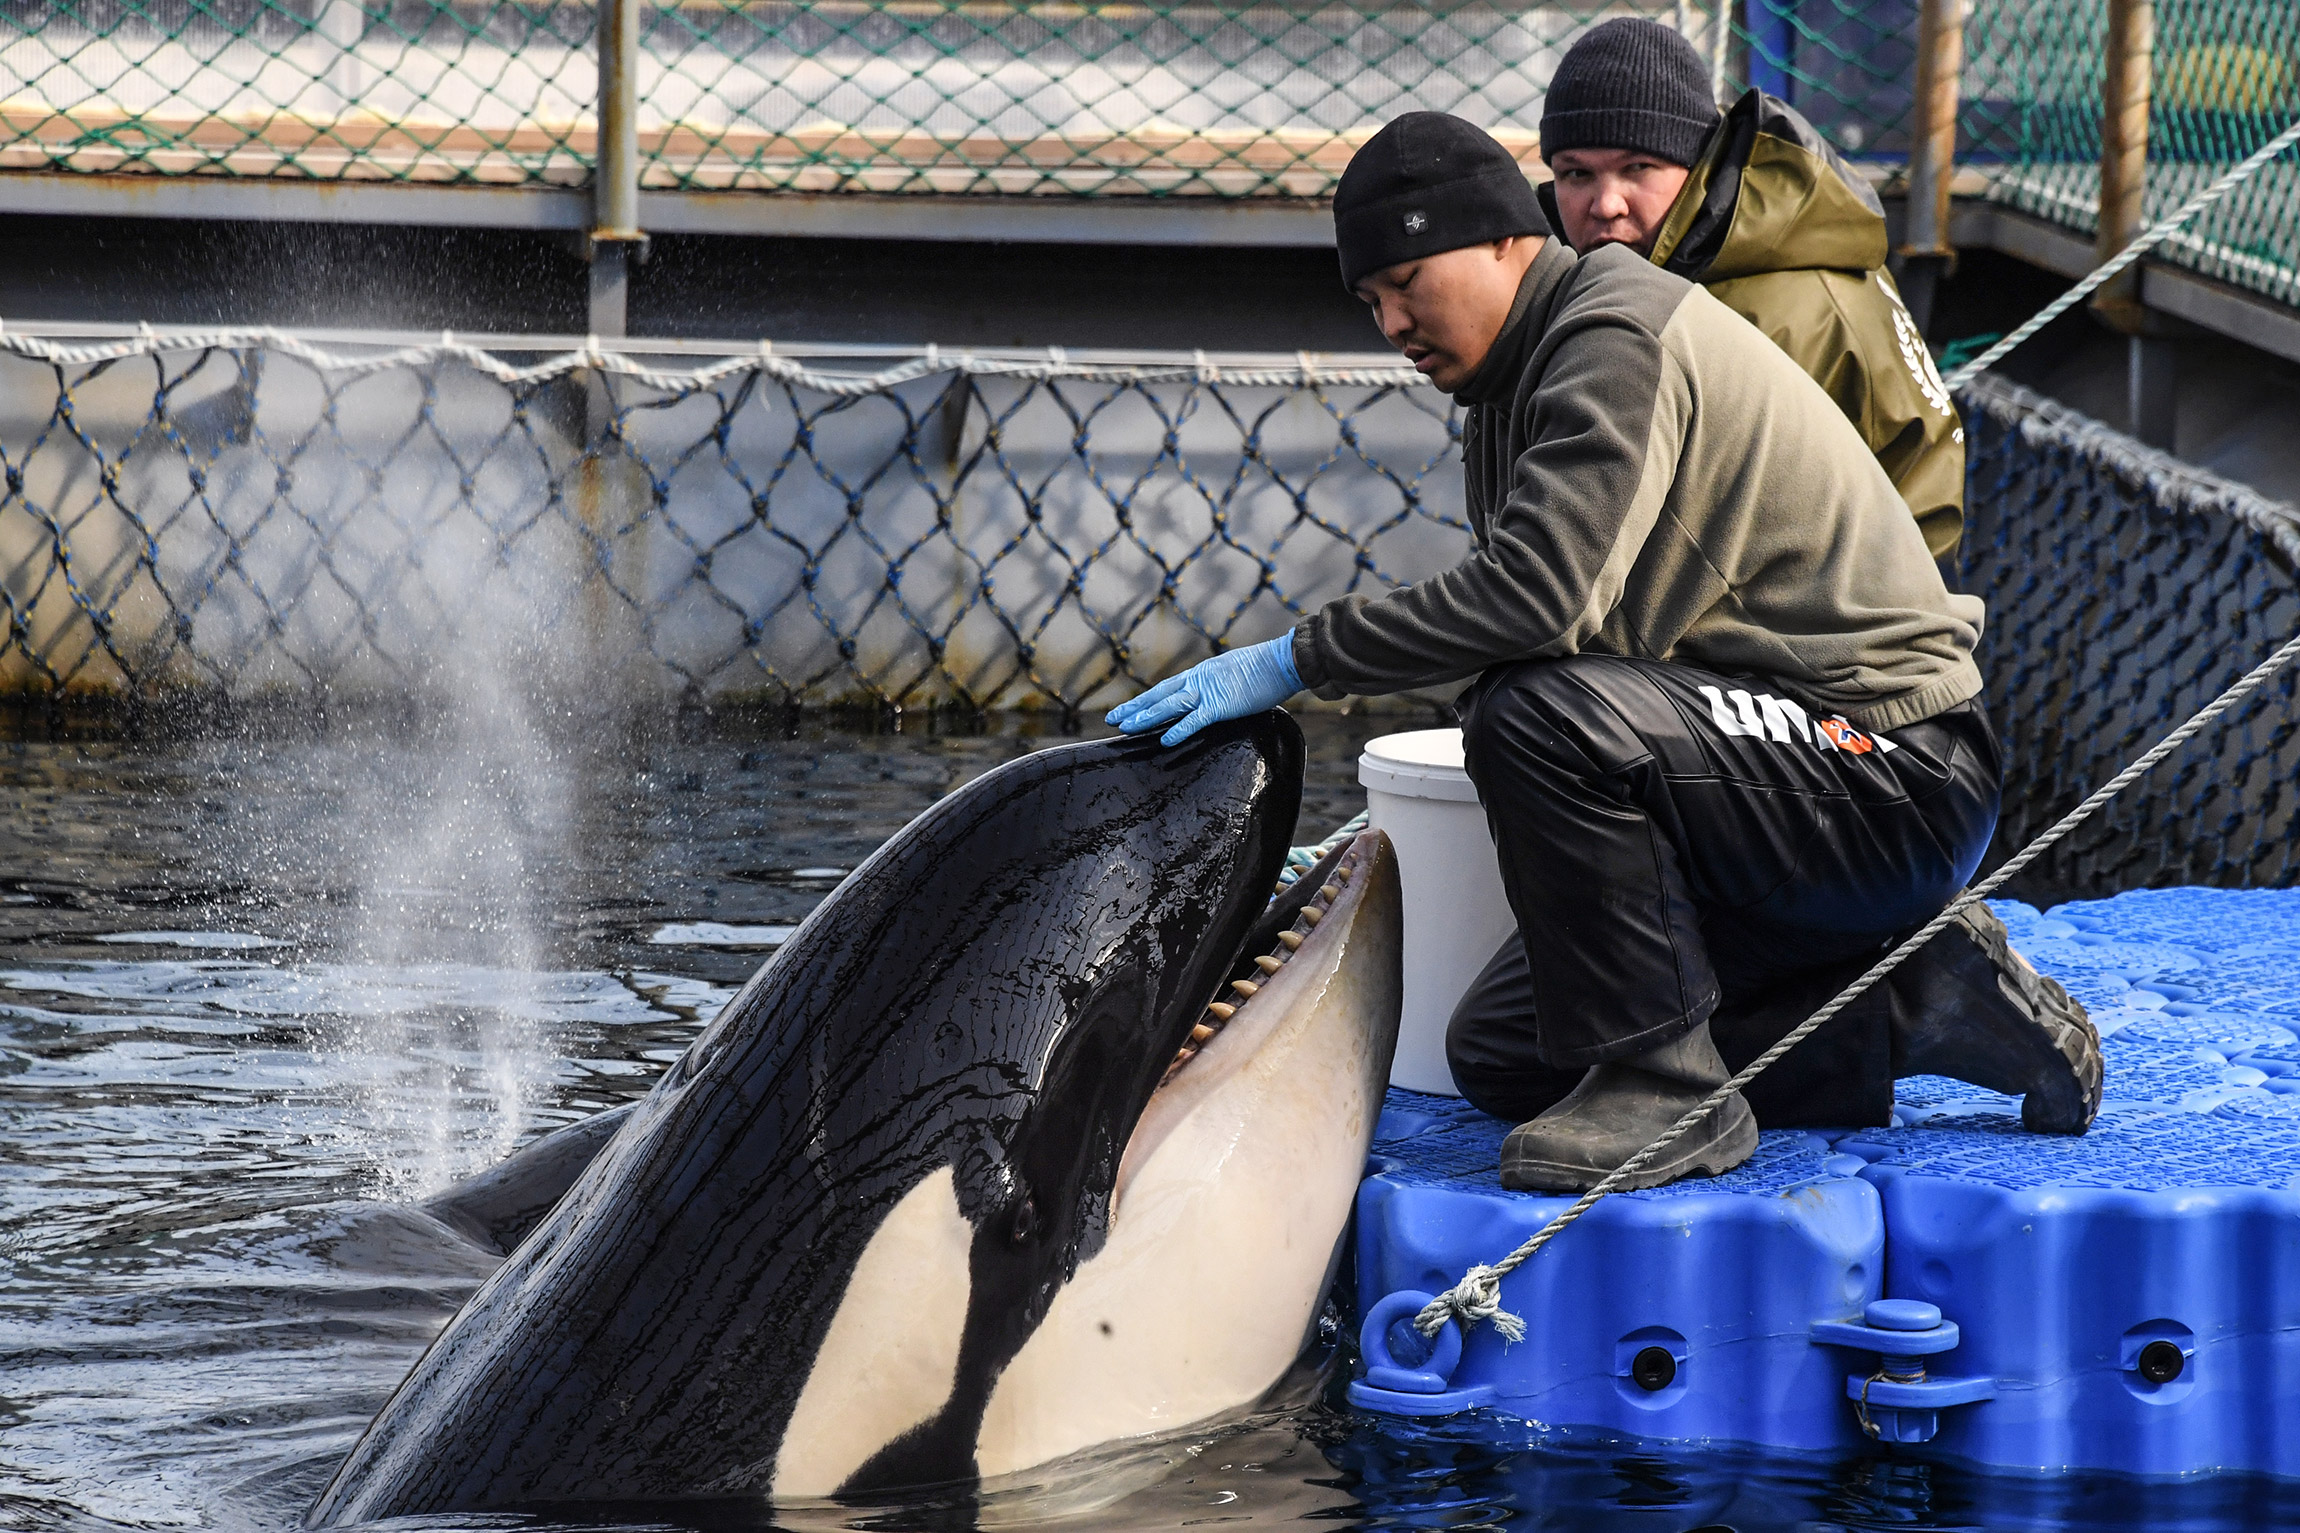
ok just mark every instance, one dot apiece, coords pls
pixel 2129 1300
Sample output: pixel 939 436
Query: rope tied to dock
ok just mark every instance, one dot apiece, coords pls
pixel 1477 1297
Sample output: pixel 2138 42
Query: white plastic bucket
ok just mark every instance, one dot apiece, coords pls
pixel 1455 913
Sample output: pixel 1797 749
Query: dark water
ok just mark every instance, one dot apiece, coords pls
pixel 259 991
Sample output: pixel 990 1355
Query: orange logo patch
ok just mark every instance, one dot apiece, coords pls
pixel 1844 736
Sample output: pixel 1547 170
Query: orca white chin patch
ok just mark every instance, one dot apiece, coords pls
pixel 1232 1192
pixel 890 1358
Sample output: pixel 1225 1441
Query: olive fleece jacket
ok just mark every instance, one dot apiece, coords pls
pixel 1791 238
pixel 1648 476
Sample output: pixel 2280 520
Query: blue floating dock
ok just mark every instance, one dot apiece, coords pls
pixel 2128 1300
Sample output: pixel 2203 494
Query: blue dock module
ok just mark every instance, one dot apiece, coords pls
pixel 2126 1300
pixel 2134 1294
pixel 1685 1312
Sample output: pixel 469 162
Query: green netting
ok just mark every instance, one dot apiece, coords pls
pixel 984 96
pixel 1848 65
pixel 998 96
pixel 2226 79
pixel 326 89
pixel 1082 97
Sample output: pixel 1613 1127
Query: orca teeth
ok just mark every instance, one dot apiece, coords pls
pixel 1219 1013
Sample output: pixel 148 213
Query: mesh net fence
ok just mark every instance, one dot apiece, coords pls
pixel 1082 97
pixel 1000 96
pixel 243 517
pixel 1000 533
pixel 2225 78
pixel 2126 589
pixel 310 89
pixel 1848 65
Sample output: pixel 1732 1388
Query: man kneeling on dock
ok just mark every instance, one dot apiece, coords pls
pixel 1724 713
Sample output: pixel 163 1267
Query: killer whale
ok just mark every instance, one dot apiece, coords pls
pixel 854 1238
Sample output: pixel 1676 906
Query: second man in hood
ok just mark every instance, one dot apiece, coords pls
pixel 1755 206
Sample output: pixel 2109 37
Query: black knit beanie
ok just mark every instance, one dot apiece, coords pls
pixel 1629 84
pixel 1427 183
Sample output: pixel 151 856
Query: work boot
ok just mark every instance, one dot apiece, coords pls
pixel 1619 1109
pixel 1967 1006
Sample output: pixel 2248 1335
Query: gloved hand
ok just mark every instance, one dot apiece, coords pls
pixel 1229 686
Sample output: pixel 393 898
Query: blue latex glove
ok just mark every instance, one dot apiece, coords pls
pixel 1229 686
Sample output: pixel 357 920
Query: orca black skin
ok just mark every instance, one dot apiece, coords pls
pixel 501 1206
pixel 997 990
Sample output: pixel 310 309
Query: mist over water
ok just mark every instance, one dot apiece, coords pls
pixel 460 845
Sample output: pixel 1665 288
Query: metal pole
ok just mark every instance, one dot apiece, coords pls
pixel 610 499
pixel 2151 400
pixel 2124 152
pixel 615 177
pixel 1718 37
pixel 1926 254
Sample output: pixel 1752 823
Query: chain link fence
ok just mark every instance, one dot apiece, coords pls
pixel 969 96
pixel 312 89
pixel 243 515
pixel 2225 79
pixel 991 532
pixel 1142 99
pixel 1225 98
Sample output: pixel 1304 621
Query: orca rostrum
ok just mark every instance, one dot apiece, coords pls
pixel 1039 1134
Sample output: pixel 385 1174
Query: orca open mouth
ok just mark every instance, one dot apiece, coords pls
pixel 1301 906
pixel 1286 971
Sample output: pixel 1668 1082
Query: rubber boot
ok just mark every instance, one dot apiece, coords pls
pixel 1619 1109
pixel 1967 1006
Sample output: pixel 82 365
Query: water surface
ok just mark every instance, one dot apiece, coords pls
pixel 261 990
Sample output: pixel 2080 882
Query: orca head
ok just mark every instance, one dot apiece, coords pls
pixel 1034 1198
pixel 1234 1192
pixel 805 1262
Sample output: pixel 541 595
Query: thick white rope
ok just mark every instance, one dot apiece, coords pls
pixel 1478 1295
pixel 1301 859
pixel 621 359
pixel 2156 234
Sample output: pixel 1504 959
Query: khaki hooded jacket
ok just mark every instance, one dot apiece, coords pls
pixel 1787 235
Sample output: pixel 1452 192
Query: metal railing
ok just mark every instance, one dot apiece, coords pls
pixel 1136 98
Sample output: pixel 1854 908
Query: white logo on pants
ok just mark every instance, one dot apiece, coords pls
pixel 1766 717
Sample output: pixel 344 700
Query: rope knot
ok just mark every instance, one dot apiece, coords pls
pixel 1476 1297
